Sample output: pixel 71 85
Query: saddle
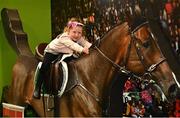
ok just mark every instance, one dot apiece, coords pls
pixel 59 82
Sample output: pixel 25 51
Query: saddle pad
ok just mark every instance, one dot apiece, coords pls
pixel 37 73
pixel 65 78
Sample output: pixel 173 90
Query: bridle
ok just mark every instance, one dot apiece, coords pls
pixel 122 69
pixel 134 40
pixel 150 69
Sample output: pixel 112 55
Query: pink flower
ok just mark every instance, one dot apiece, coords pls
pixel 146 97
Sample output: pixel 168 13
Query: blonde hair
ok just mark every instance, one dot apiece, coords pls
pixel 73 19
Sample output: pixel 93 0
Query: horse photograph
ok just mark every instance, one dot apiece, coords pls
pixel 95 83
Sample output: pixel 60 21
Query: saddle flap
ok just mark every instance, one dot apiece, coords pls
pixel 67 83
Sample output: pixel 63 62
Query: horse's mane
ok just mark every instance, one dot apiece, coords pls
pixel 97 42
pixel 135 23
pixel 116 25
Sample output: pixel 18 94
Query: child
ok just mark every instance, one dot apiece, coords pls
pixel 70 41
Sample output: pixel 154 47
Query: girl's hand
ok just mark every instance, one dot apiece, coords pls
pixel 86 50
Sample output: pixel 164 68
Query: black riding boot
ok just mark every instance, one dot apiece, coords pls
pixel 37 90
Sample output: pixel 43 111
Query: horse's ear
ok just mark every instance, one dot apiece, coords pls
pixel 129 18
pixel 135 19
pixel 136 13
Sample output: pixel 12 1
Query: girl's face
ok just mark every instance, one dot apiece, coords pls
pixel 75 32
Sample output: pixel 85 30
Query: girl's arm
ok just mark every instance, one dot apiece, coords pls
pixel 84 42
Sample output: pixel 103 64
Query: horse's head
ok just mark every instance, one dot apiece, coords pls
pixel 146 59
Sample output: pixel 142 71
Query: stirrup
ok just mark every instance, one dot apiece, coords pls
pixel 36 95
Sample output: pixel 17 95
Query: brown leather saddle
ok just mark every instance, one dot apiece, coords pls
pixel 56 83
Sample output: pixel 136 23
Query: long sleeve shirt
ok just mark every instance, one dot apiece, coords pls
pixel 64 44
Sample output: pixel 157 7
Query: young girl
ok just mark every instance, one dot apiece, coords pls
pixel 72 40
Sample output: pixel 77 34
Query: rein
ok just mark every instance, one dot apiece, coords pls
pixel 122 69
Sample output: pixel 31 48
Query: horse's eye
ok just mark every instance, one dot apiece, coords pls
pixel 146 44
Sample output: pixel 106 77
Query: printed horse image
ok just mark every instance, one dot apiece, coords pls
pixel 129 49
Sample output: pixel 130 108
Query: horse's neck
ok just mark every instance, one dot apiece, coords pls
pixel 94 70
